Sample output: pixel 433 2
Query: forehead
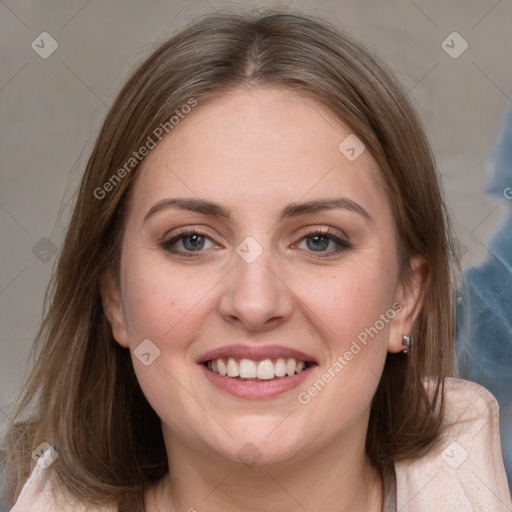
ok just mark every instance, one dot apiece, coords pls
pixel 258 146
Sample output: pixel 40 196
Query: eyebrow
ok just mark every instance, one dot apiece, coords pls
pixel 296 209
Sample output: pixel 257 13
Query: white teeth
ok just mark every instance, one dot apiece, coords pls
pixel 221 367
pixel 264 369
pixel 232 368
pixel 291 365
pixel 280 367
pixel 247 369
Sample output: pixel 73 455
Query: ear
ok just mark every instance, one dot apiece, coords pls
pixel 408 301
pixel 113 308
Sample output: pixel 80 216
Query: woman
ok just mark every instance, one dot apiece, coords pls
pixel 252 305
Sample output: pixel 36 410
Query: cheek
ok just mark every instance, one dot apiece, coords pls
pixel 347 303
pixel 158 301
pixel 351 312
pixel 163 306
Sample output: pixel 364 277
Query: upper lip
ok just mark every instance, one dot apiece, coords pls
pixel 256 353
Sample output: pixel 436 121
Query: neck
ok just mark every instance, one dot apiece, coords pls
pixel 336 478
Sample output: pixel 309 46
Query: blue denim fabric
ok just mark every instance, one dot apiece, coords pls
pixel 484 305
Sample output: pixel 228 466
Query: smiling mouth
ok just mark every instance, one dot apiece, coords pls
pixel 257 370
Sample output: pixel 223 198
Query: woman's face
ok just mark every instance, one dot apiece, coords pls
pixel 255 243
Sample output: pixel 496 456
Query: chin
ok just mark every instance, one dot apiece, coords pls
pixel 259 442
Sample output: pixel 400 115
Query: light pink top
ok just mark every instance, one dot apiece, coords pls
pixel 465 473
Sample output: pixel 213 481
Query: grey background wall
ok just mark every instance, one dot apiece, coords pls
pixel 52 107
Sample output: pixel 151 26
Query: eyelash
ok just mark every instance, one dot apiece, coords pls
pixel 342 245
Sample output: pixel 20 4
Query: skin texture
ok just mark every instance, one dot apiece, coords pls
pixel 254 150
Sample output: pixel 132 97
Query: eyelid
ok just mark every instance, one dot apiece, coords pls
pixel 188 230
pixel 170 239
pixel 342 241
pixel 323 230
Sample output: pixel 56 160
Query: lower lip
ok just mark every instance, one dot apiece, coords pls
pixel 253 389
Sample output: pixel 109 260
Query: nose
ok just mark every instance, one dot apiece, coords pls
pixel 255 297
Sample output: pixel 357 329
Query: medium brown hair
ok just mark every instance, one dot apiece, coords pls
pixel 83 396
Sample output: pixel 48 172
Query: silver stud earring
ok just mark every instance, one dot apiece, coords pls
pixel 406 342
